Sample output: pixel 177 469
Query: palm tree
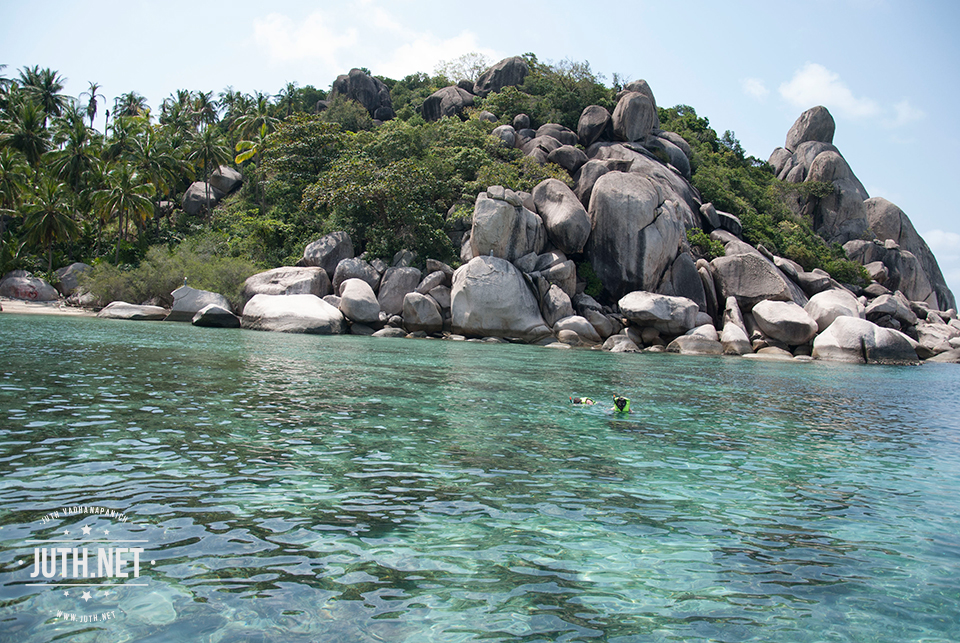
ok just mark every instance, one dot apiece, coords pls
pixel 77 155
pixel 204 110
pixel 130 104
pixel 123 132
pixel 48 218
pixel 288 99
pixel 45 85
pixel 154 159
pixel 126 195
pixel 258 115
pixel 209 150
pixel 14 178
pixel 250 149
pixel 92 93
pixel 25 131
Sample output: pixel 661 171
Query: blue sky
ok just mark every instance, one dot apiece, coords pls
pixel 888 71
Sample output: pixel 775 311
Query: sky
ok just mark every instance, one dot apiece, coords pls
pixel 888 71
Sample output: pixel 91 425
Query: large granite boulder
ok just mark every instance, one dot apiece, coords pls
pixel 293 314
pixel 784 321
pixel 581 326
pixel 288 280
pixel 421 313
pixel 370 92
pixel 68 277
pixel 358 303
pixel 815 124
pixel 695 345
pixel 564 217
pixel 490 297
pixel 634 117
pixel 826 306
pixel 750 278
pixel 200 197
pixel 506 134
pixel 328 251
pixel 509 72
pixel 225 179
pixel 503 227
pixel 890 222
pixel 840 216
pixel 555 305
pixel 395 285
pixel 355 268
pixel 595 123
pixel 214 316
pixel 682 279
pixel 669 315
pixel 20 284
pixel 568 157
pixel 123 310
pixel 895 306
pixel 850 339
pixel 734 340
pixel 187 302
pixel 636 233
pixel 620 344
pixel 449 101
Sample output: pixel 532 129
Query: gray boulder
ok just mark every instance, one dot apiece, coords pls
pixel 355 268
pixel 568 157
pixel 785 321
pixel 595 123
pixel 395 285
pixel 370 92
pixel 200 197
pixel 521 122
pixel 634 117
pixel 441 295
pixel 565 219
pixel 555 305
pixel 506 134
pixel 358 303
pixel 734 340
pixel 509 72
pixel 431 281
pixel 214 316
pixel 292 314
pixel 225 179
pixel 564 275
pixel 849 339
pixel 683 280
pixel 815 124
pixel 565 135
pixel 826 306
pixel 695 345
pixel 187 302
pixel 893 306
pixel 123 310
pixel 540 147
pixel 449 101
pixel 20 284
pixel 68 277
pixel 490 297
pixel 620 344
pixel 503 228
pixel 421 313
pixel 668 315
pixel 935 338
pixel 288 280
pixel 751 279
pixel 636 234
pixel 583 328
pixel 328 251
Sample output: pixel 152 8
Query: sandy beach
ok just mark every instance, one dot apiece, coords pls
pixel 20 306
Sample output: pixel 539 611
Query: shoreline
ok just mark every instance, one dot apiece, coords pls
pixel 23 307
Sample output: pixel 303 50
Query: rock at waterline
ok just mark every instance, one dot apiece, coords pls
pixel 293 314
pixel 669 315
pixel 395 285
pixel 785 321
pixel 421 313
pixel 850 339
pixel 358 303
pixel 490 297
pixel 214 316
pixel 187 302
pixel 826 306
pixel 123 310
pixel 288 280
pixel 20 284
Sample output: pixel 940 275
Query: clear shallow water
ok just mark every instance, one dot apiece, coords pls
pixel 299 488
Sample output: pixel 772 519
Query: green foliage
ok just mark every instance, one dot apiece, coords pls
pixel 162 271
pixel 350 115
pixel 706 247
pixel 594 286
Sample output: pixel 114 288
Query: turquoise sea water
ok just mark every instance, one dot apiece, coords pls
pixel 303 488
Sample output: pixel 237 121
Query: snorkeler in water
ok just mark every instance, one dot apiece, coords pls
pixel 585 401
pixel 621 404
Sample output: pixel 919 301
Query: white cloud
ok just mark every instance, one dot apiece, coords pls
pixel 945 245
pixel 754 87
pixel 814 84
pixel 313 39
pixel 906 114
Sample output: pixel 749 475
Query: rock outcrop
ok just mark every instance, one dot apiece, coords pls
pixel 292 314
pixel 370 92
pixel 187 302
pixel 490 297
pixel 20 284
pixel 123 310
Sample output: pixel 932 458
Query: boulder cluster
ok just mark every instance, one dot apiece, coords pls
pixel 617 229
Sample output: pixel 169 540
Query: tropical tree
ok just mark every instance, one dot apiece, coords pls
pixel 288 99
pixel 123 132
pixel 130 104
pixel 251 149
pixel 209 150
pixel 14 179
pixel 204 110
pixel 92 94
pixel 127 196
pixel 25 130
pixel 49 218
pixel 155 161
pixel 256 116
pixel 78 152
pixel 45 86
